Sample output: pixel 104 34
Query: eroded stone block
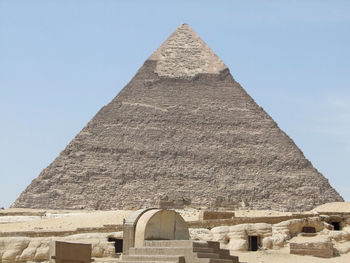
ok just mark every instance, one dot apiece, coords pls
pixel 323 249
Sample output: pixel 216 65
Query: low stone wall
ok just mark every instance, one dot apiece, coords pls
pixel 106 229
pixel 245 220
pixel 317 249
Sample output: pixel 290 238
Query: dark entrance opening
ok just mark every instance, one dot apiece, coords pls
pixel 336 226
pixel 118 244
pixel 253 243
pixel 308 229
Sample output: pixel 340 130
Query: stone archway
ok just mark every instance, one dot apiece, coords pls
pixel 160 225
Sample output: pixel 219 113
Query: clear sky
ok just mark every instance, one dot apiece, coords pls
pixel 61 61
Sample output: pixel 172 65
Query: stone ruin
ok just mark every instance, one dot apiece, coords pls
pixel 70 252
pixel 148 231
pixel 153 224
pixel 149 235
pixel 158 235
pixel 155 234
pixel 310 234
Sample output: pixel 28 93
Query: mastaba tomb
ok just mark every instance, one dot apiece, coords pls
pixel 181 127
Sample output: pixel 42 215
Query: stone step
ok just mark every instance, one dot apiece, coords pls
pixel 174 258
pixel 233 258
pixel 206 255
pixel 203 249
pixel 171 251
pixel 175 243
pixel 225 254
pixel 147 261
pixel 214 244
pixel 106 260
pixel 215 260
pixel 160 250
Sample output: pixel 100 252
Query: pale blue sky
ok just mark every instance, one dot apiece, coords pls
pixel 61 61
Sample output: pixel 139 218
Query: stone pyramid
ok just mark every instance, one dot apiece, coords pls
pixel 181 127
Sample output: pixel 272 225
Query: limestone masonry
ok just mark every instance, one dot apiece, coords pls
pixel 181 128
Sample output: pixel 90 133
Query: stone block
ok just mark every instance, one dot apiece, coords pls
pixel 71 252
pixel 323 249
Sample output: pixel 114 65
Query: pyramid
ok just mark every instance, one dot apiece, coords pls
pixel 181 127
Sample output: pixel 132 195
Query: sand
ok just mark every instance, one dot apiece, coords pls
pixel 17 220
pixel 338 207
pixel 68 221
pixel 283 256
pixel 260 213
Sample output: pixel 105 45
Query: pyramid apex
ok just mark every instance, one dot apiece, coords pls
pixel 184 55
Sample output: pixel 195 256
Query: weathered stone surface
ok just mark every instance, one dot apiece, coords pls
pixel 160 225
pixel 64 251
pixel 340 235
pixel 201 234
pixel 185 55
pixel 24 249
pixel 323 249
pixel 276 241
pixel 293 227
pixel 342 248
pixel 184 126
pixel 238 244
pixel 214 215
pixel 236 237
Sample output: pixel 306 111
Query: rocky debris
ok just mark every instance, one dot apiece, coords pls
pixel 183 126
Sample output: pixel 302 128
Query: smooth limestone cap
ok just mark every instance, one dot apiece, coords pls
pixel 184 54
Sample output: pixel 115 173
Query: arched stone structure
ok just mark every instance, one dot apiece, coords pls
pixel 129 227
pixel 153 224
pixel 160 225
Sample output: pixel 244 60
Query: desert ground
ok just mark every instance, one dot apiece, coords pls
pixel 83 224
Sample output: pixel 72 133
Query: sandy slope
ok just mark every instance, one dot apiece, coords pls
pixel 260 213
pixel 69 221
pixel 55 220
pixel 340 207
